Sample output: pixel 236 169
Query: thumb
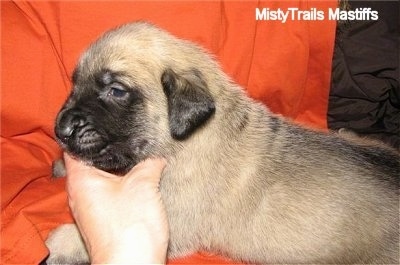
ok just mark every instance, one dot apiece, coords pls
pixel 149 170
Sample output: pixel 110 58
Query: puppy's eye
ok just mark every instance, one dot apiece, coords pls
pixel 117 92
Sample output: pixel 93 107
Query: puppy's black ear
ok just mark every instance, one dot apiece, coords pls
pixel 189 102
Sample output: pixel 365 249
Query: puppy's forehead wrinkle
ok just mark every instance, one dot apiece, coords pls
pixel 107 77
pixel 133 70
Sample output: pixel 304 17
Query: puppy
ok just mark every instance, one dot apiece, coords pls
pixel 240 181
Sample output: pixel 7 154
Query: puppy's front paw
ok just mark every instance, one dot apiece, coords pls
pixel 66 246
pixel 58 168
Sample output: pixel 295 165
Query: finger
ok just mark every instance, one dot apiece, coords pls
pixel 84 178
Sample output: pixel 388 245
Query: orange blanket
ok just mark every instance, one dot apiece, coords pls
pixel 285 65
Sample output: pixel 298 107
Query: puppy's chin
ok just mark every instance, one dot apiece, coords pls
pixel 114 165
pixel 117 164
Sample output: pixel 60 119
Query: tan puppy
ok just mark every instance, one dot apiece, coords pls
pixel 240 181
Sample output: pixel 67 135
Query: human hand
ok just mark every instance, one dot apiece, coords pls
pixel 121 219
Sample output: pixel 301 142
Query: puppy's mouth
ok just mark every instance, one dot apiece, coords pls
pixel 83 141
pixel 89 141
pixel 106 158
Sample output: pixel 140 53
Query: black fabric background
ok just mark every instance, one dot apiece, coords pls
pixel 365 92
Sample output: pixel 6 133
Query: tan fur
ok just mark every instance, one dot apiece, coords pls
pixel 248 184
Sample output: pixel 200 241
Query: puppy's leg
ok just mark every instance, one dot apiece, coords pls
pixel 66 246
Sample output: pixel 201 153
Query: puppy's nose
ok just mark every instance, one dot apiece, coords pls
pixel 68 123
